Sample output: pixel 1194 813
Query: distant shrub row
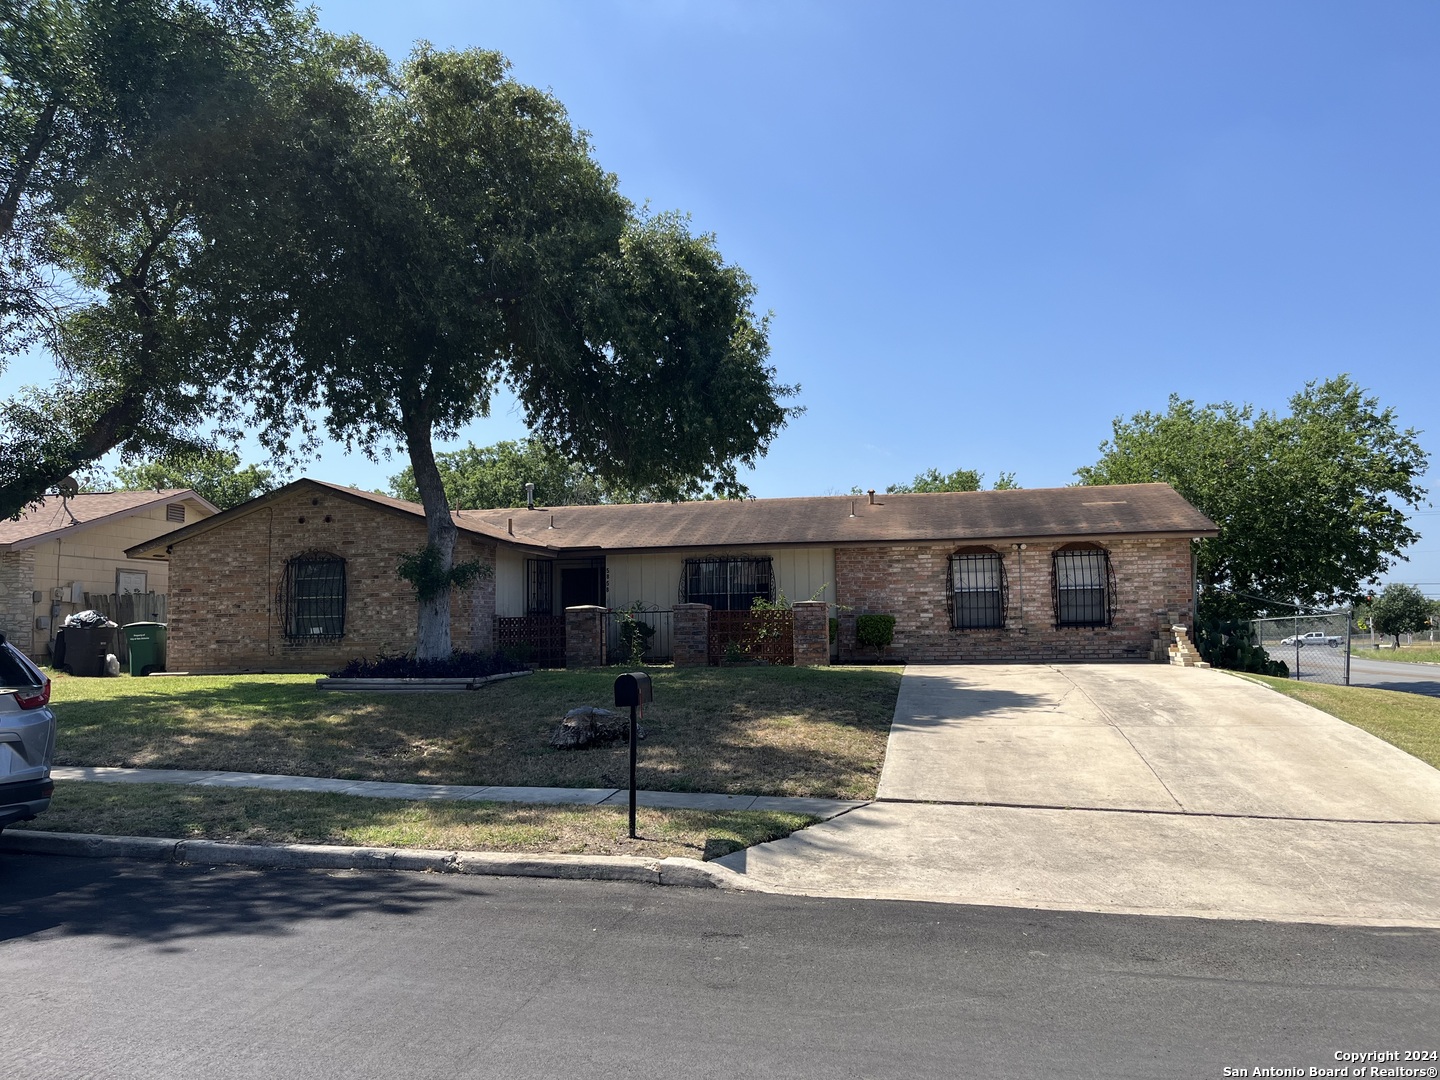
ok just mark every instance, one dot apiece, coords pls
pixel 458 665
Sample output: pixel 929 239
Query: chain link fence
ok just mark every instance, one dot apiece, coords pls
pixel 1316 648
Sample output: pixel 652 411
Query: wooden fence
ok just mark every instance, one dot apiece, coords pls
pixel 767 635
pixel 130 607
pixel 533 639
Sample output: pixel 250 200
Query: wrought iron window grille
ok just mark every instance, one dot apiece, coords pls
pixel 1083 586
pixel 312 597
pixel 539 587
pixel 727 583
pixel 977 590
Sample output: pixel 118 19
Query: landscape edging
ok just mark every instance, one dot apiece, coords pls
pixel 672 870
pixel 414 686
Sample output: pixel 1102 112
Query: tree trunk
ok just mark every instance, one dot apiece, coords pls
pixel 432 631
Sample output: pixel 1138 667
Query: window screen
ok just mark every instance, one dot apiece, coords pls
pixel 314 597
pixel 977 590
pixel 1084 593
pixel 727 584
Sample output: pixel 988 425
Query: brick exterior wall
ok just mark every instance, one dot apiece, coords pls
pixel 812 633
pixel 585 636
pixel 1153 591
pixel 17 607
pixel 225 587
pixel 692 632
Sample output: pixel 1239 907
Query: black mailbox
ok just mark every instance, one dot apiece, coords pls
pixel 632 688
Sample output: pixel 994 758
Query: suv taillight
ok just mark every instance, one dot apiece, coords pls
pixel 33 699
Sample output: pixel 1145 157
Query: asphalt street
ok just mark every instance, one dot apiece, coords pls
pixel 127 969
pixel 1389 675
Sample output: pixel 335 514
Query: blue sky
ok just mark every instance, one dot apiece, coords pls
pixel 985 230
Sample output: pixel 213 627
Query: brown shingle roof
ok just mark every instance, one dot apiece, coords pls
pixel 54 517
pixel 1118 510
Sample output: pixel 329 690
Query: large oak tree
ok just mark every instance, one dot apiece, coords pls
pixel 127 133
pixel 1311 504
pixel 445 230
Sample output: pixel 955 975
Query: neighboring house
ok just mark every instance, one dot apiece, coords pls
pixel 66 548
pixel 304 578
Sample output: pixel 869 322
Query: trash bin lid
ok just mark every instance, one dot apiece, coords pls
pixel 132 625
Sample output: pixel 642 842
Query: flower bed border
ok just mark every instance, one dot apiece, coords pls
pixel 413 686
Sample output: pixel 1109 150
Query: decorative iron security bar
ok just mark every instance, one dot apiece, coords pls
pixel 727 583
pixel 539 587
pixel 659 644
pixel 977 590
pixel 312 597
pixel 1084 587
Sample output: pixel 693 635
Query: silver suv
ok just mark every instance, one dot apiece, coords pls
pixel 27 737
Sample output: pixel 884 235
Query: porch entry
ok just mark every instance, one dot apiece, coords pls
pixel 552 585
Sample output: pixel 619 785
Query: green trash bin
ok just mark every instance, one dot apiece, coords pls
pixel 146 642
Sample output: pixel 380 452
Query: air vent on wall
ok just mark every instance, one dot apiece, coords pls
pixel 175 512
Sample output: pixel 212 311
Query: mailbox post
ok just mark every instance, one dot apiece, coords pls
pixel 633 689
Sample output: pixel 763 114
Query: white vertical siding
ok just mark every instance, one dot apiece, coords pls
pixel 509 582
pixel 654 578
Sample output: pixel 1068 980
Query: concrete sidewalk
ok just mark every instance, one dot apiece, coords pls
pixel 374 789
pixel 1128 788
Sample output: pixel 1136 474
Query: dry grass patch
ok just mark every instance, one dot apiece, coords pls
pixel 250 816
pixel 771 731
pixel 1409 721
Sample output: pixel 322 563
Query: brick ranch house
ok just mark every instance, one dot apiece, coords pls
pixel 304 578
pixel 65 553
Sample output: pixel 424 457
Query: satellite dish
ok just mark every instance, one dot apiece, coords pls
pixel 69 487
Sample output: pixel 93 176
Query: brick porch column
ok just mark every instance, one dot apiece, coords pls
pixel 848 645
pixel 812 633
pixel 585 636
pixel 692 635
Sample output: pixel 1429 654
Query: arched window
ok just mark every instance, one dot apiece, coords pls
pixel 1084 586
pixel 312 597
pixel 977 589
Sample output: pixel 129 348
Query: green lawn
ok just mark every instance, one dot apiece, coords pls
pixel 282 817
pixel 1418 653
pixel 770 731
pixel 1409 721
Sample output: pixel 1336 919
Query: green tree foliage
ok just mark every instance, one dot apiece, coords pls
pixel 482 478
pixel 1310 505
pixel 959 480
pixel 214 474
pixel 1400 609
pixel 442 229
pixel 128 132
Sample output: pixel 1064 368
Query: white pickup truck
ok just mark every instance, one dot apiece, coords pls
pixel 1314 637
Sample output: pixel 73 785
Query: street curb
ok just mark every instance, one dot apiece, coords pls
pixel 687 873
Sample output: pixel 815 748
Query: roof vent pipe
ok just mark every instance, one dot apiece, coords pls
pixel 510 525
pixel 529 496
pixel 871 493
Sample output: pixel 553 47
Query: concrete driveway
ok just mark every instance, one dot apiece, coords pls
pixel 1135 788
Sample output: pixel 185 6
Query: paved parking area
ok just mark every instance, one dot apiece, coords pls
pixel 1139 788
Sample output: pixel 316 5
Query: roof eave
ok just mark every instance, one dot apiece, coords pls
pixel 118 515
